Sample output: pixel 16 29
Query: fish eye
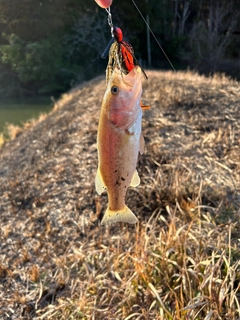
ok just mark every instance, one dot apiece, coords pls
pixel 114 89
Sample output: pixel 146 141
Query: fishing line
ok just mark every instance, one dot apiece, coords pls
pixel 154 35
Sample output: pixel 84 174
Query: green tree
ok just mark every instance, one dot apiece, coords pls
pixel 38 65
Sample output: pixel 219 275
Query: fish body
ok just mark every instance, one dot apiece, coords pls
pixel 119 142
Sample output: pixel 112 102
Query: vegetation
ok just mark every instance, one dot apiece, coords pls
pixel 180 262
pixel 52 45
pixel 38 65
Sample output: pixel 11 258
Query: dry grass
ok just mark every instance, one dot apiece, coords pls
pixel 180 262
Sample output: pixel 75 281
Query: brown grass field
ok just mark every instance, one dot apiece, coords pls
pixel 181 261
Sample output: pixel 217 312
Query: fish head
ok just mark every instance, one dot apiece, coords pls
pixel 123 96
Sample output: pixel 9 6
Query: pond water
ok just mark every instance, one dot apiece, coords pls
pixel 18 111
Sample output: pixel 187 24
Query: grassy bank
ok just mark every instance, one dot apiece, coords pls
pixel 180 262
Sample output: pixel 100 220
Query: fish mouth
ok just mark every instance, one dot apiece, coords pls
pixel 131 81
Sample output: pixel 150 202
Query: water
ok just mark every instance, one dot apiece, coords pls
pixel 18 111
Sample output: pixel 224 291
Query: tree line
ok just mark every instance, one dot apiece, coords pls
pixel 51 45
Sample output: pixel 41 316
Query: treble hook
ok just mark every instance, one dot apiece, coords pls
pixel 110 20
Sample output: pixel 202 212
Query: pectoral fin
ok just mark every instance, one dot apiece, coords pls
pixel 135 179
pixel 99 185
pixel 144 107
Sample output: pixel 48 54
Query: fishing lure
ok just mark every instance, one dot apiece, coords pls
pixel 126 53
pixel 121 55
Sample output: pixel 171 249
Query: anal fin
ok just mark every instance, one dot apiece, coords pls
pixel 135 179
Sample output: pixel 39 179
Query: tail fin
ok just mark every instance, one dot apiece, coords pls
pixel 124 215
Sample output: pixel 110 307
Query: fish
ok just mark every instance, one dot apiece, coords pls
pixel 119 142
pixel 121 55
